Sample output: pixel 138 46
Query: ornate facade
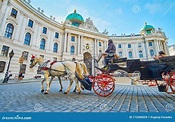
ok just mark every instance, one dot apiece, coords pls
pixel 28 31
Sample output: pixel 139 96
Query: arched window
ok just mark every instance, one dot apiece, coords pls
pixel 55 47
pixel 72 49
pixel 119 46
pixel 140 54
pixel 42 44
pixel 130 54
pixel 129 45
pixel 9 31
pixel 27 38
pixel 151 52
pixel 120 54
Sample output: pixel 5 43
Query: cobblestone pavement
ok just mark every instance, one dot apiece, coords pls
pixel 26 97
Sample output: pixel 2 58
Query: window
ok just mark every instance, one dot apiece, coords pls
pixel 23 68
pixel 120 54
pixel 130 54
pixel 140 54
pixel 100 44
pixel 2 66
pixel 30 23
pixel 5 50
pixel 44 30
pixel 14 13
pixel 150 44
pixel 25 55
pixel 9 31
pixel 55 47
pixel 129 45
pixel 56 35
pixel 42 44
pixel 27 39
pixel 72 50
pixel 119 46
pixel 73 38
pixel 139 44
pixel 151 52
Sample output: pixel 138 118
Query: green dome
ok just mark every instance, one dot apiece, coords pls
pixel 147 27
pixel 75 18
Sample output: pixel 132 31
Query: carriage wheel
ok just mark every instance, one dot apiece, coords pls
pixel 103 85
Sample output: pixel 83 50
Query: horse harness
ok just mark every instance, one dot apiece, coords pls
pixel 66 71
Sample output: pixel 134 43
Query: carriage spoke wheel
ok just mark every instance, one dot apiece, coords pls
pixel 103 85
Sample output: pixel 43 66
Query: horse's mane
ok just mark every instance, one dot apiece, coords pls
pixel 79 70
pixel 85 71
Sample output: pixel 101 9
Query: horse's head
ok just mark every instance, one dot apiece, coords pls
pixel 34 60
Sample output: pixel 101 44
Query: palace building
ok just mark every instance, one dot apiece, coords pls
pixel 27 31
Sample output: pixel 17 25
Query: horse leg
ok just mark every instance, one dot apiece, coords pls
pixel 71 81
pixel 80 86
pixel 47 84
pixel 42 85
pixel 60 84
pixel 77 86
pixel 51 80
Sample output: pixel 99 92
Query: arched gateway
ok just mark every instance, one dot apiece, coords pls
pixel 87 57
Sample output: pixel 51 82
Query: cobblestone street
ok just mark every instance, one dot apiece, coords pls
pixel 26 97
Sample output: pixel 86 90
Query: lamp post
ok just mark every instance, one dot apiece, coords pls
pixel 6 78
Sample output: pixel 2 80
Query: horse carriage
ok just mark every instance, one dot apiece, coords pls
pixel 103 83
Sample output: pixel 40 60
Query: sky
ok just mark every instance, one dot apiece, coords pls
pixel 116 16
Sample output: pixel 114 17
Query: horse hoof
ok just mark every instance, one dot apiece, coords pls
pixel 74 90
pixel 79 92
pixel 46 92
pixel 65 92
pixel 42 91
pixel 60 90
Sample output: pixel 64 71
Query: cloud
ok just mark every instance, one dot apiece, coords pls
pixel 153 8
pixel 101 24
pixel 118 11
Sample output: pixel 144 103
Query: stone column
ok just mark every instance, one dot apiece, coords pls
pixel 35 36
pixel 22 29
pixel 18 29
pixel 82 40
pixel 68 41
pixel 97 51
pixel 65 42
pixel 78 45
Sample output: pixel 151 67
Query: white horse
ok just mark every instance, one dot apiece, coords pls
pixel 58 69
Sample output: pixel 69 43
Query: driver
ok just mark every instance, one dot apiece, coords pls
pixel 110 50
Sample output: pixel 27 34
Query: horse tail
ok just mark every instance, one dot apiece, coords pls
pixel 79 70
pixel 85 71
